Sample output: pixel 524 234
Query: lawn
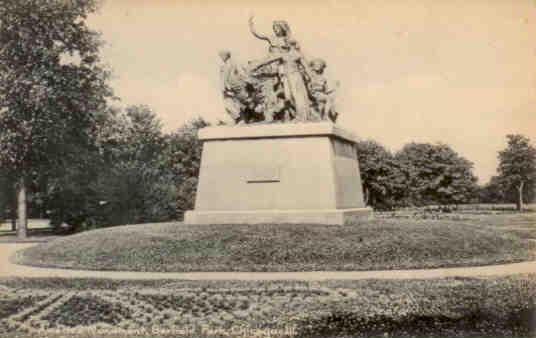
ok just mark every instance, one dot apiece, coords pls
pixel 451 307
pixel 369 245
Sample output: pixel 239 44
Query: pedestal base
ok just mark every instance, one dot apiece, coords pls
pixel 278 173
pixel 337 217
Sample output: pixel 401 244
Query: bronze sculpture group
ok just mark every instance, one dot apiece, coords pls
pixel 281 87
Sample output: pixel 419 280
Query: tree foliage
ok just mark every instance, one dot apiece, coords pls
pixel 131 190
pixel 492 192
pixel 380 175
pixel 48 104
pixel 436 174
pixel 6 197
pixel 418 174
pixel 182 158
pixel 141 174
pixel 517 168
pixel 52 86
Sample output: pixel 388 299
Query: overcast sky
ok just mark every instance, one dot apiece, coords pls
pixel 457 72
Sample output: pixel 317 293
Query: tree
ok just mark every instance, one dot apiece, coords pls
pixel 116 186
pixel 182 159
pixel 51 88
pixel 436 174
pixel 492 192
pixel 136 195
pixel 380 175
pixel 141 173
pixel 517 167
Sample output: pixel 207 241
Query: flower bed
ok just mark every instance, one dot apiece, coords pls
pixel 485 307
pixel 87 310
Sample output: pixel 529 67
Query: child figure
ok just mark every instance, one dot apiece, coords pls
pixel 322 95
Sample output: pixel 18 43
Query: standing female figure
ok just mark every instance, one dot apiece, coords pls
pixel 294 80
pixel 286 60
pixel 278 42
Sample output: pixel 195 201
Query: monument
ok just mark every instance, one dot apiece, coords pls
pixel 285 160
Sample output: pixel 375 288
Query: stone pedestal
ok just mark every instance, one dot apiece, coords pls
pixel 278 173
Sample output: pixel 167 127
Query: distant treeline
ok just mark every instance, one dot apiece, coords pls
pixel 434 174
pixel 139 173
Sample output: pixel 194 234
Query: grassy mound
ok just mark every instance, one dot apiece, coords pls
pixel 371 245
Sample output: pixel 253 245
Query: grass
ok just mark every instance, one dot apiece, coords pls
pixel 450 307
pixel 370 245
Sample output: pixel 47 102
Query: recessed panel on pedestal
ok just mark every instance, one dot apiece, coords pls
pixel 300 173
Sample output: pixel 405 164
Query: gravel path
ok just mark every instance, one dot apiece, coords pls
pixel 8 269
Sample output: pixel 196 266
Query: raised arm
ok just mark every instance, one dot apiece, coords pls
pixel 255 33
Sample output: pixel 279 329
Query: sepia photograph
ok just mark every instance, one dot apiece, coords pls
pixel 267 169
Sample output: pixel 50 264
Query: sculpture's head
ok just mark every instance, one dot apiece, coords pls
pixel 281 28
pixel 224 55
pixel 318 65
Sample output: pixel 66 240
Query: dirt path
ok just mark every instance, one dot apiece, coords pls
pixel 8 269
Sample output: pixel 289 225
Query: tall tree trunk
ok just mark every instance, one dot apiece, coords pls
pixel 520 199
pixel 21 201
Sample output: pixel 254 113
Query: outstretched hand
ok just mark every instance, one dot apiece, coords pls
pixel 254 31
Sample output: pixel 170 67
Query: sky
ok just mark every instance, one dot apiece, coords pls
pixel 456 72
